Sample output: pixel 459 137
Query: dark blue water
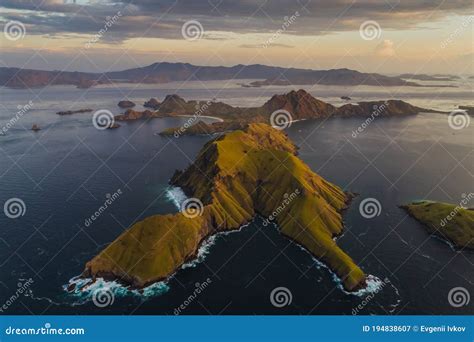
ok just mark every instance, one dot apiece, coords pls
pixel 65 172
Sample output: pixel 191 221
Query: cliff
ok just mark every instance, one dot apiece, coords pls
pixel 237 176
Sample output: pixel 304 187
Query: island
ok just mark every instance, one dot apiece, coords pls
pixel 293 106
pixel 468 109
pixel 78 111
pixel 164 72
pixel 244 173
pixel 447 221
pixel 152 103
pixel 126 104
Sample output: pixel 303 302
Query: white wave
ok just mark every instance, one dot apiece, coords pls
pixel 204 249
pixel 176 195
pixel 374 284
pixel 84 288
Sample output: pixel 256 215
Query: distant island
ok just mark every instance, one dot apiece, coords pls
pixel 448 221
pixel 78 111
pixel 300 105
pixel 424 77
pixel 165 72
pixel 236 176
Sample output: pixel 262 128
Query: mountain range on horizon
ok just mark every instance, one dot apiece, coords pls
pixel 164 72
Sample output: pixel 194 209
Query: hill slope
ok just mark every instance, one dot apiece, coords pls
pixel 164 72
pixel 453 223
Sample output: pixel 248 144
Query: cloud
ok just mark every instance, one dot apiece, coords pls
pixel 385 49
pixel 256 46
pixel 164 18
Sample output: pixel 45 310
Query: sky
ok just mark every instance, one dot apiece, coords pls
pixel 384 36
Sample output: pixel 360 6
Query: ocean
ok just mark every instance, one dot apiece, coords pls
pixel 67 170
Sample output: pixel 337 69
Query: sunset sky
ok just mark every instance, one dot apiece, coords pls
pixel 401 36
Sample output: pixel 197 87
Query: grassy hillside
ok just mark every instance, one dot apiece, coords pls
pixel 237 176
pixel 458 229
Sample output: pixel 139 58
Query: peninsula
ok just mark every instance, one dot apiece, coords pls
pixel 236 176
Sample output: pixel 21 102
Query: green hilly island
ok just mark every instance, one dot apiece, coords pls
pixel 448 221
pixel 241 174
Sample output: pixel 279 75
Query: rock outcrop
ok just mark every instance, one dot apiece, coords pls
pixel 126 104
pixel 70 112
pixel 152 103
pixel 131 114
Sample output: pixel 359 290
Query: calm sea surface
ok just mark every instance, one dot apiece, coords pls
pixel 66 171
